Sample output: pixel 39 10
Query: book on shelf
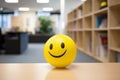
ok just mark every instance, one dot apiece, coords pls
pixel 102 22
pixel 102 48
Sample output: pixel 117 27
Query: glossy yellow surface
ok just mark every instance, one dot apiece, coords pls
pixel 104 3
pixel 60 50
pixel 76 71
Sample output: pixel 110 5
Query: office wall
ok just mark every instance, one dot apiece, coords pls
pixel 28 21
pixel 55 22
pixel 17 22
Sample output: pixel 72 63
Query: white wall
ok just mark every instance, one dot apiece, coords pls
pixel 30 19
pixel 70 5
pixel 56 22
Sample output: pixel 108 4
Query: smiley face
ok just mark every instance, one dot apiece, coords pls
pixel 57 56
pixel 60 50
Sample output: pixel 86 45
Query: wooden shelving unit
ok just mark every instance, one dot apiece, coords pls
pixel 96 30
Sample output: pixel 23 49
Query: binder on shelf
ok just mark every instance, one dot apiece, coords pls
pixel 102 22
pixel 102 45
pixel 99 21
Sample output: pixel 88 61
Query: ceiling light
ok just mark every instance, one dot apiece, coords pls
pixel 47 9
pixel 42 1
pixel 11 1
pixel 24 9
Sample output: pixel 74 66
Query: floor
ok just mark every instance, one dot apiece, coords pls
pixel 34 54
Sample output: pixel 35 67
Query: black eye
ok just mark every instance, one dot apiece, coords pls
pixel 62 45
pixel 51 46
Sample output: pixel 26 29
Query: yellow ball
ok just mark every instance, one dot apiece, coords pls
pixel 103 4
pixel 60 51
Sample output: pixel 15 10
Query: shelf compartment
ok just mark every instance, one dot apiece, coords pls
pixel 75 14
pixel 87 40
pixel 115 39
pixel 87 7
pixel 80 24
pixel 114 13
pixel 80 39
pixel 87 22
pixel 113 55
pixel 114 2
pixel 70 16
pixel 101 44
pixel 69 33
pixel 97 5
pixel 101 20
pixel 72 20
pixel 74 25
pixel 80 11
pixel 72 35
pixel 69 25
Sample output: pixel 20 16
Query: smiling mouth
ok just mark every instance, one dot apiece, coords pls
pixel 57 56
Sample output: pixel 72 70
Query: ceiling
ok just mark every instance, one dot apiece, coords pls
pixel 69 4
pixel 31 4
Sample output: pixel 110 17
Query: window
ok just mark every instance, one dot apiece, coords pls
pixel 5 20
pixel 42 13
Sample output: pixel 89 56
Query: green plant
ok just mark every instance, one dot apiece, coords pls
pixel 45 24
